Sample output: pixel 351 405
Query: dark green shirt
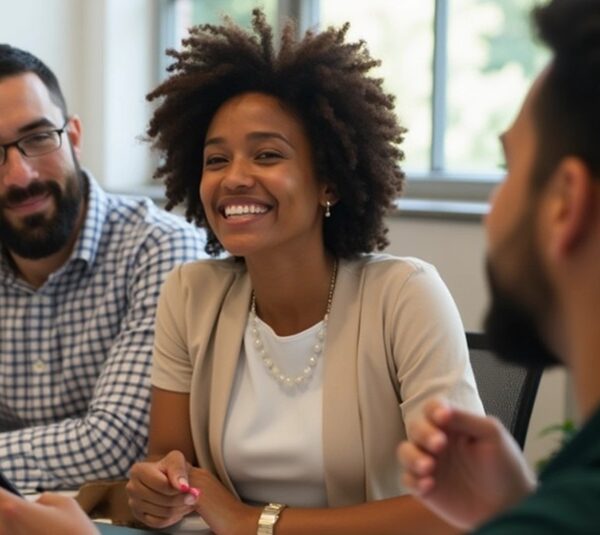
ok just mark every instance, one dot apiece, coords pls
pixel 567 501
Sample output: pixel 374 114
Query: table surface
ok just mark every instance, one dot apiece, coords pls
pixel 187 527
pixel 108 529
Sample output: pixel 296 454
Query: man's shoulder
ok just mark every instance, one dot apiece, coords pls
pixel 566 498
pixel 142 217
pixel 565 502
pixel 142 209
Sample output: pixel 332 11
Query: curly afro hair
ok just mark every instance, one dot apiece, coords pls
pixel 350 121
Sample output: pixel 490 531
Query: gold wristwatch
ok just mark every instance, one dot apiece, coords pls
pixel 269 517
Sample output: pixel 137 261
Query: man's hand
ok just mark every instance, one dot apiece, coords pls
pixel 50 515
pixel 465 468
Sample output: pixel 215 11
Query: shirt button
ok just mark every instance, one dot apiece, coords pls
pixel 39 366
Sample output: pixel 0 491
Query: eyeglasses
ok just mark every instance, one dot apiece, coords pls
pixel 36 144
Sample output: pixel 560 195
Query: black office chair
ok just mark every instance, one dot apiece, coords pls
pixel 507 390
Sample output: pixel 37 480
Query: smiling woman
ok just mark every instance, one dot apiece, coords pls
pixel 287 372
pixel 258 186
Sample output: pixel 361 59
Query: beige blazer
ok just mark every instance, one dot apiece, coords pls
pixel 394 339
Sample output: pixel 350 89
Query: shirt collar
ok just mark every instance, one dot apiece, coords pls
pixel 87 244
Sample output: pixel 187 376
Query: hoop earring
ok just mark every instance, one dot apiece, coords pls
pixel 327 209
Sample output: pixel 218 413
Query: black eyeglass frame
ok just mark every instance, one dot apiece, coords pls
pixel 17 143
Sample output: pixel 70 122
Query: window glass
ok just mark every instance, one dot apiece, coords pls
pixel 492 60
pixel 191 12
pixel 400 33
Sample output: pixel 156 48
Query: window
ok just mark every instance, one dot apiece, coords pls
pixel 459 70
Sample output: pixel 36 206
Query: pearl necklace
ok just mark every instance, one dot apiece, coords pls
pixel 274 371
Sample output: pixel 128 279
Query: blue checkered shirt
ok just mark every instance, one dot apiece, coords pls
pixel 75 354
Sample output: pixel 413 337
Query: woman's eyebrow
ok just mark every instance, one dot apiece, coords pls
pixel 251 135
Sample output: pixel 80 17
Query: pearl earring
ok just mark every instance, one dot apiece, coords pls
pixel 327 209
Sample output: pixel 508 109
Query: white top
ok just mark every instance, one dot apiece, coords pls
pixel 272 442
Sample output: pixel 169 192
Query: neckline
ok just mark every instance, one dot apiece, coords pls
pixel 271 366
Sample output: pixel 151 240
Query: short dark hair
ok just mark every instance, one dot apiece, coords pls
pixel 350 120
pixel 14 61
pixel 567 106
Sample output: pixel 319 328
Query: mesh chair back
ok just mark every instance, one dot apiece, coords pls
pixel 507 391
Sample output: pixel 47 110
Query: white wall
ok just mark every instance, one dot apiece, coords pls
pixel 104 51
pixel 51 29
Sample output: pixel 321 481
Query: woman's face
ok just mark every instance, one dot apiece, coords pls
pixel 258 187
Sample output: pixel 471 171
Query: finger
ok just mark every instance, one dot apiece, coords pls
pixel 415 460
pixel 148 496
pixel 150 479
pixel 473 425
pixel 437 411
pixel 176 468
pixel 165 512
pixel 158 522
pixel 419 486
pixel 56 500
pixel 427 435
pixel 451 419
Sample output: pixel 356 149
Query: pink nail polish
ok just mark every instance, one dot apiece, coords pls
pixel 183 484
pixel 194 492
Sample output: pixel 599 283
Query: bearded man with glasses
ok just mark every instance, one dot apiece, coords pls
pixel 37 236
pixel 80 273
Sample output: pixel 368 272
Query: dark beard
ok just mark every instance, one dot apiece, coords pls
pixel 41 236
pixel 512 330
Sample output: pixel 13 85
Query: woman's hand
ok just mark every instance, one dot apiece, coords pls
pixel 159 492
pixel 465 468
pixel 50 515
pixel 223 512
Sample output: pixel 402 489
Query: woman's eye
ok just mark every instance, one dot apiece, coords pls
pixel 214 160
pixel 268 155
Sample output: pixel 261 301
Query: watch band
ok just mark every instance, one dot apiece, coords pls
pixel 269 517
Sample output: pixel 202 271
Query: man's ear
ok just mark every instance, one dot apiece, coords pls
pixel 571 204
pixel 75 133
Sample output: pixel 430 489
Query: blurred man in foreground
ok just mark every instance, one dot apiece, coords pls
pixel 544 271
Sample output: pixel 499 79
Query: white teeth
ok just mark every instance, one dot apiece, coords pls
pixel 244 209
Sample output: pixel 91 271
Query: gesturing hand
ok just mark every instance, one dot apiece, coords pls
pixel 51 514
pixel 464 467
